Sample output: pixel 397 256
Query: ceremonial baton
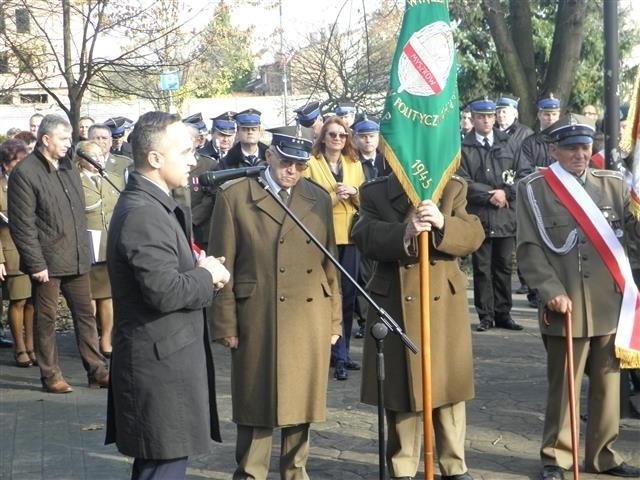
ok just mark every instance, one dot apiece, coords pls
pixel 575 441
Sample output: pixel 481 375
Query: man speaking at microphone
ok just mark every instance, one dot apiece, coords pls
pixel 280 312
pixel 161 406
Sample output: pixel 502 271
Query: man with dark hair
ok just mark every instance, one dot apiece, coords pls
pixel 282 309
pixel 161 406
pixel 84 123
pixel 48 225
pixel 488 167
pixel 248 150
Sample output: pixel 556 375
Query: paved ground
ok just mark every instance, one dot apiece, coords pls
pixel 45 436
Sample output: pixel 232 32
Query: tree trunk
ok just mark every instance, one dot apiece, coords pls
pixel 511 56
pixel 565 50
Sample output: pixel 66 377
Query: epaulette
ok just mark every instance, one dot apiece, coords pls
pixel 374 181
pixel 232 182
pixel 607 173
pixel 458 178
pixel 315 183
pixel 532 177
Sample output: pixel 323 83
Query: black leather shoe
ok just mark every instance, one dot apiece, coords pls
pixel 623 470
pixel 462 476
pixel 552 472
pixel 522 289
pixel 509 325
pixel 483 326
pixel 352 365
pixel 359 333
pixel 340 372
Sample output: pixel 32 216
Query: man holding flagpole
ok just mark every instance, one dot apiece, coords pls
pixel 574 224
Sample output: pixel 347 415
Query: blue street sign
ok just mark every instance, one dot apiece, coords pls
pixel 169 80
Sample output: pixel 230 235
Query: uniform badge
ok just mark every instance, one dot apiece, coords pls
pixel 509 176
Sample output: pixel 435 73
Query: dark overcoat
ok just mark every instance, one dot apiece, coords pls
pixel 283 301
pixel 395 286
pixel 162 394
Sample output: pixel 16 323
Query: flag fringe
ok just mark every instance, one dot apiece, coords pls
pixel 404 180
pixel 629 135
pixel 628 358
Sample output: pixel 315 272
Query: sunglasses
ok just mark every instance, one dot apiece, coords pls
pixel 335 135
pixel 285 163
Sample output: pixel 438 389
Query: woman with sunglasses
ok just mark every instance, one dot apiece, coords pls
pixel 335 166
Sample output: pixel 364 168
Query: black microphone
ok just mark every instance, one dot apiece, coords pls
pixel 210 179
pixel 90 159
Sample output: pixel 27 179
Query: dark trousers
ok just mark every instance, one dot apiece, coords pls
pixel 492 268
pixel 349 258
pixel 76 290
pixel 173 469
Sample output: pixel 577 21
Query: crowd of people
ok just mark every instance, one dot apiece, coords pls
pixel 155 265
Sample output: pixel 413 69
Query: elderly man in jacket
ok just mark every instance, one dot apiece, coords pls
pixel 280 313
pixel 161 406
pixel 573 272
pixel 48 226
pixel 386 232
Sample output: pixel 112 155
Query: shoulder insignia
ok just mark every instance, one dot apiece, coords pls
pixel 607 173
pixel 533 177
pixel 458 178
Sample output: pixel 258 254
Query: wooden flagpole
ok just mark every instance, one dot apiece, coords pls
pixel 575 445
pixel 425 317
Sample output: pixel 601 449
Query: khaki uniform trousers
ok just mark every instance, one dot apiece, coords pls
pixel 253 452
pixel 404 440
pixel 603 403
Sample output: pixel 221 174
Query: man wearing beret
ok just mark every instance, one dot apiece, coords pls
pixel 281 311
pixel 558 209
pixel 488 167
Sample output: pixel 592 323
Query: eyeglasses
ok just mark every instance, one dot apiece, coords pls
pixel 286 163
pixel 335 135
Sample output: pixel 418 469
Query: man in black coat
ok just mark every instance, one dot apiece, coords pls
pixel 488 167
pixel 249 150
pixel 161 406
pixel 49 228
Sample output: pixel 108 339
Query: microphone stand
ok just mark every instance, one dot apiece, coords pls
pixel 103 174
pixel 378 331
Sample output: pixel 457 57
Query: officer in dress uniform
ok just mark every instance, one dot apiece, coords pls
pixel 507 119
pixel 116 166
pixel 346 111
pixel 534 150
pixel 366 131
pixel 281 310
pixel 308 115
pixel 223 134
pixel 201 129
pixel 488 166
pixel 118 127
pixel 199 198
pixel 567 271
pixel 248 150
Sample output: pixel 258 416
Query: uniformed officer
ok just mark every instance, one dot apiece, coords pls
pixel 386 233
pixel 347 111
pixel 366 130
pixel 308 115
pixel 488 166
pixel 197 121
pixel 507 119
pixel 116 166
pixel 223 134
pixel 534 151
pixel 118 127
pixel 557 208
pixel 281 310
pixel 248 150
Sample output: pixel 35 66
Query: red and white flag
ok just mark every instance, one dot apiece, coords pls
pixel 628 336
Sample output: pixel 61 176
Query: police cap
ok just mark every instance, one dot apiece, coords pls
pixel 197 121
pixel 507 101
pixel 290 142
pixel 365 124
pixel 482 105
pixel 549 103
pixel 225 123
pixel 571 129
pixel 248 118
pixel 307 114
